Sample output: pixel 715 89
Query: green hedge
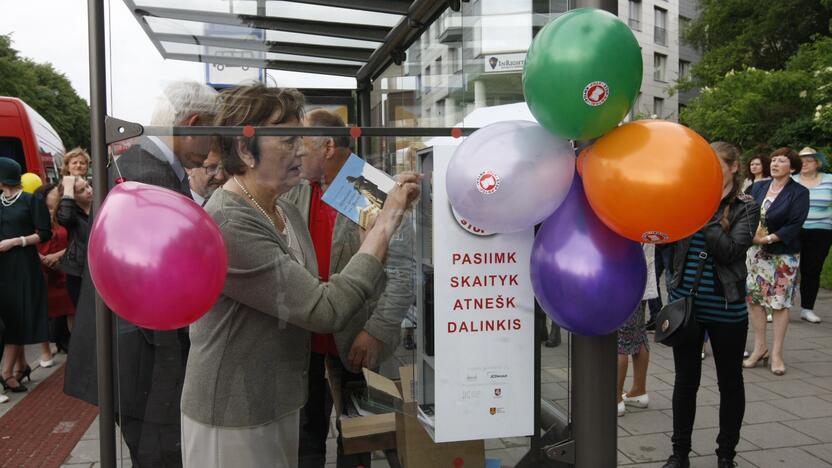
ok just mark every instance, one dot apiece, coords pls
pixel 826 275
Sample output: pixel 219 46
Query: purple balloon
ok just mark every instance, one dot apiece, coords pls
pixel 156 257
pixel 509 176
pixel 586 277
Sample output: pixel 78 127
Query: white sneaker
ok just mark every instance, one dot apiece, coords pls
pixel 809 316
pixel 768 317
pixel 641 401
pixel 3 398
pixel 621 409
pixel 47 363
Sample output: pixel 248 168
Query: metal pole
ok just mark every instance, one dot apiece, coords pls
pixel 98 147
pixel 364 117
pixel 594 383
pixel 594 374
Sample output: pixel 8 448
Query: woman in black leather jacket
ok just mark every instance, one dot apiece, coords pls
pixel 720 310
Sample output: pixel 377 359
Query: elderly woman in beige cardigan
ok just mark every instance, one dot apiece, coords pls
pixel 246 375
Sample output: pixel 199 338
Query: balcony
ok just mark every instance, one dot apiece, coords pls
pixel 660 35
pixel 450 28
pixel 635 24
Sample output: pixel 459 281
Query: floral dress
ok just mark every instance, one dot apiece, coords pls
pixel 772 278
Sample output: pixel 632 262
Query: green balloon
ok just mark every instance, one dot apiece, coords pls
pixel 582 74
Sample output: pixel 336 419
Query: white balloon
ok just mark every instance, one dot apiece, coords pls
pixel 510 176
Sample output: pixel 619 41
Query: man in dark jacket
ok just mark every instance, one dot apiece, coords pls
pixel 149 365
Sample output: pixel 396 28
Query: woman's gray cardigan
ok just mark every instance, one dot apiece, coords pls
pixel 250 353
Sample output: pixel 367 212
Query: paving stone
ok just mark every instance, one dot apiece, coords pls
pixel 552 391
pixel 646 422
pixel 774 435
pixel 825 382
pixel 789 457
pixel 808 355
pixel 822 451
pixel 703 442
pixel 826 396
pixel 646 448
pixel 818 369
pixel 757 412
pixel 805 407
pixel 759 392
pixel 817 428
pixel 794 388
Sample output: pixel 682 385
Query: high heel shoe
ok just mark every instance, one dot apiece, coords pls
pixel 19 388
pixel 778 371
pixel 24 374
pixel 752 363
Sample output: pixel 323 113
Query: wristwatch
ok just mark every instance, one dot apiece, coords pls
pixel 769 239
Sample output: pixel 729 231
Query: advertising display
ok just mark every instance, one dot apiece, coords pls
pixel 483 323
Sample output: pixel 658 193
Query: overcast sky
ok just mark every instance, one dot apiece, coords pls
pixel 55 31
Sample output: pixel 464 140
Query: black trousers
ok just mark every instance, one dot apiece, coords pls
pixel 314 417
pixel 728 344
pixel 814 247
pixel 152 445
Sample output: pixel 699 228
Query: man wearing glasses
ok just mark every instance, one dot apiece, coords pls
pixel 206 179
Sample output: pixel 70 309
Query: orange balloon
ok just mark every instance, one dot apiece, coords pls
pixel 653 181
pixel 579 162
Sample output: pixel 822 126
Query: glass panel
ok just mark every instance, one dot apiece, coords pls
pixel 278 9
pixel 193 49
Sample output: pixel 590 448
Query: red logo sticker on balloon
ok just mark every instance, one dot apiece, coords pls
pixel 596 93
pixel 488 182
pixel 654 237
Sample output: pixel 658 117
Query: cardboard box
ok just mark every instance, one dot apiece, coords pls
pixel 399 429
pixel 361 434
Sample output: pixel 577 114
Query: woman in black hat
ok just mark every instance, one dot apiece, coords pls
pixel 24 223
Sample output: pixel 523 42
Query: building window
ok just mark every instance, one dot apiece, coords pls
pixel 438 66
pixel 635 15
pixel 684 69
pixel 684 24
pixel 658 107
pixel 660 27
pixel 659 67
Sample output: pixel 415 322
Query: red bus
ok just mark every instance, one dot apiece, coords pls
pixel 28 138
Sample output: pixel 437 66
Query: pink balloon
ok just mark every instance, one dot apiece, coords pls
pixel 156 257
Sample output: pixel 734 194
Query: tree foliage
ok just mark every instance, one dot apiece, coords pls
pixel 47 91
pixel 738 34
pixel 766 73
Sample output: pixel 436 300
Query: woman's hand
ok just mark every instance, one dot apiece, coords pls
pixel 68 184
pixel 399 199
pixel 8 244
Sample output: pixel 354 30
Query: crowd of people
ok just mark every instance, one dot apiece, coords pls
pixel 245 385
pixel 771 232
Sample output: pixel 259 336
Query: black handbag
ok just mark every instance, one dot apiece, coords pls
pixel 676 322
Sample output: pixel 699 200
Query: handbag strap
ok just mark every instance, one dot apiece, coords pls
pixel 703 256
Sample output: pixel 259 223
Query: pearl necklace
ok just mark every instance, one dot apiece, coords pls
pixel 286 225
pixel 10 200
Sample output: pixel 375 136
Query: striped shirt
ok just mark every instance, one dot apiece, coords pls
pixel 820 203
pixel 710 305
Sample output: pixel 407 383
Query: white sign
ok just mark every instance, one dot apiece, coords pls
pixel 223 75
pixel 483 325
pixel 504 62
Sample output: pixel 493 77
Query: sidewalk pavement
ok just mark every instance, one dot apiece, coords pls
pixel 788 419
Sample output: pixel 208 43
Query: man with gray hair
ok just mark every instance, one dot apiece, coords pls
pixel 149 365
pixel 373 334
